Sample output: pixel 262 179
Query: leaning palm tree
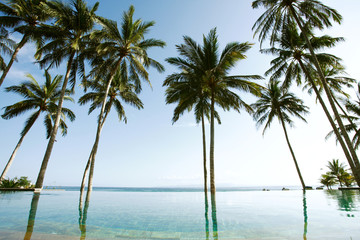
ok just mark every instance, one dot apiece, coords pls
pixel 121 49
pixel 42 99
pixel 306 14
pixel 24 17
pixel 73 21
pixel 213 69
pixel 293 61
pixel 277 102
pixel 121 90
pixel 6 46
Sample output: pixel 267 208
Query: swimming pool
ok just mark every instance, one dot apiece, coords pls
pixel 181 215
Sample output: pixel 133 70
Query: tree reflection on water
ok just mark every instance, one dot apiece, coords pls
pixel 346 200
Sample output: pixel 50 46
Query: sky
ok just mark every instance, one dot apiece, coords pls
pixel 150 151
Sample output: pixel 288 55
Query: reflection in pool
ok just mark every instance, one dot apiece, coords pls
pixel 181 215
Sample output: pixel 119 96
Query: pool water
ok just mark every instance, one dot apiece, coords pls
pixel 319 214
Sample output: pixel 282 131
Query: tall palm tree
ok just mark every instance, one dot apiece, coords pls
pixel 6 46
pixel 213 68
pixel 187 89
pixel 306 14
pixel 73 21
pixel 293 62
pixel 277 102
pixel 42 99
pixel 121 90
pixel 120 48
pixel 24 17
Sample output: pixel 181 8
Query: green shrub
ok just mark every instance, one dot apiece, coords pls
pixel 23 182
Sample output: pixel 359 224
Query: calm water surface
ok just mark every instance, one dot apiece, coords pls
pixel 169 214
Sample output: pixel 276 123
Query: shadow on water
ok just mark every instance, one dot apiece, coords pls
pixel 305 216
pixel 32 215
pixel 347 200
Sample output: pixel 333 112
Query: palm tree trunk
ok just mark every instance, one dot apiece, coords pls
pixel 13 57
pixel 204 152
pixel 97 138
pixel 12 157
pixel 291 150
pixel 40 179
pixel 88 164
pixel 328 93
pixel 332 123
pixel 212 129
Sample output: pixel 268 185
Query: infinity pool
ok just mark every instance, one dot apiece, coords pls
pixel 181 215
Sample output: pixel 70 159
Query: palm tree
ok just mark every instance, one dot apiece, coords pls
pixel 206 64
pixel 73 21
pixel 121 89
pixel 277 102
pixel 293 61
pixel 336 169
pixel 122 48
pixel 186 89
pixel 6 46
pixel 306 14
pixel 42 99
pixel 24 17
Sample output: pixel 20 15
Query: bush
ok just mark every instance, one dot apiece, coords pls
pixel 23 182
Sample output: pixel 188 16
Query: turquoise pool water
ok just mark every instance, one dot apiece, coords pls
pixel 169 214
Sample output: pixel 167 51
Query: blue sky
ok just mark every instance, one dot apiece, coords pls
pixel 150 151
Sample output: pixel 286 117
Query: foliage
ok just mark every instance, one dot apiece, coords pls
pixel 328 180
pixel 337 175
pixel 23 182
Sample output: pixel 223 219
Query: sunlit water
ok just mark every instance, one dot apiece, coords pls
pixel 130 214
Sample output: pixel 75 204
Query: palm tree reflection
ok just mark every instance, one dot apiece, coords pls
pixel 206 216
pixel 345 199
pixel 32 215
pixel 213 216
pixel 305 215
pixel 83 215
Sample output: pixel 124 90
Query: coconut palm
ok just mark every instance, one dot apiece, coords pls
pixel 186 89
pixel 293 62
pixel 277 102
pixel 121 90
pixel 306 14
pixel 42 99
pixel 125 48
pixel 73 21
pixel 6 46
pixel 24 17
pixel 212 68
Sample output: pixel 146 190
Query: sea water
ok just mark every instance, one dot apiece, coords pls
pixel 173 213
